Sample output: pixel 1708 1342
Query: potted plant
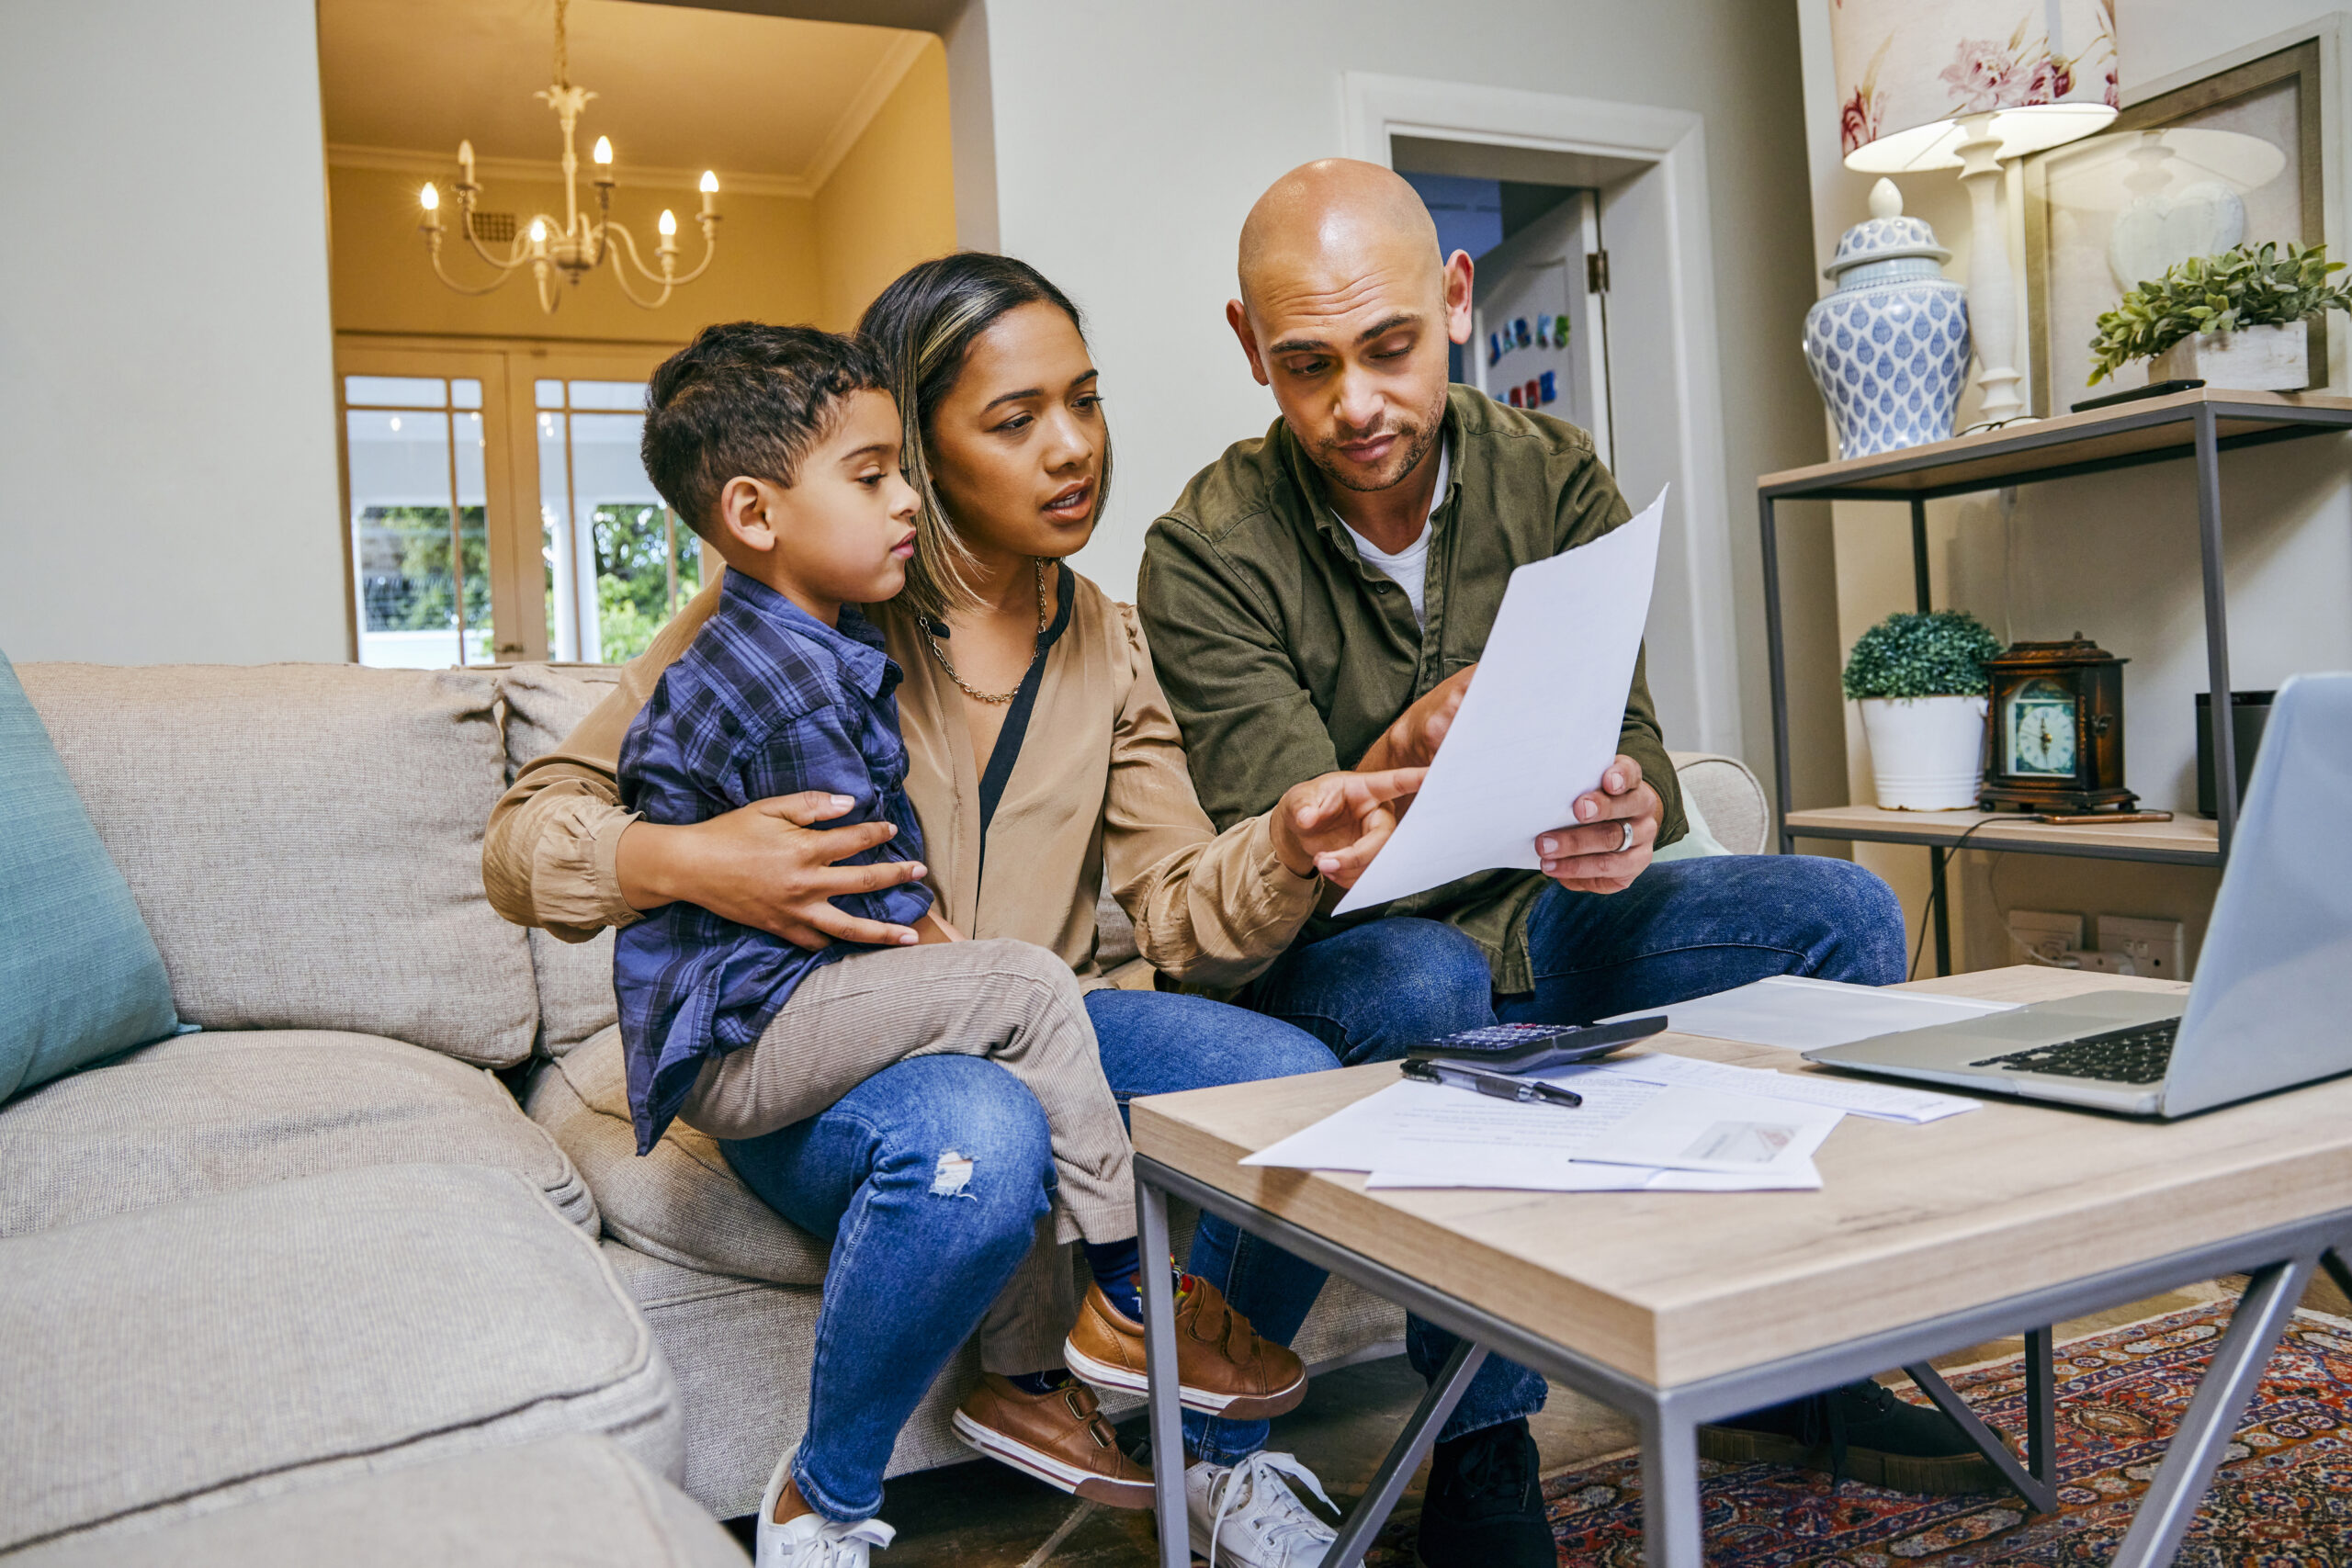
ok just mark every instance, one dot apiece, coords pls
pixel 1920 680
pixel 2235 320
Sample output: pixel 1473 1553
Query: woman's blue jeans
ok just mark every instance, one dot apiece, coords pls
pixel 1684 928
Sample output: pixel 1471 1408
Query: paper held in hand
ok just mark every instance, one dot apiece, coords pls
pixel 1539 723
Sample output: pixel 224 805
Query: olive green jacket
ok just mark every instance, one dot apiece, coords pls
pixel 1285 656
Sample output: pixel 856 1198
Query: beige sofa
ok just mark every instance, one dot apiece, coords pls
pixel 247 1274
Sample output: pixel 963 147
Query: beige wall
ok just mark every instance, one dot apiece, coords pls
pixel 891 200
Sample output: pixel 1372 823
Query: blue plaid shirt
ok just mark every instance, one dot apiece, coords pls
pixel 768 700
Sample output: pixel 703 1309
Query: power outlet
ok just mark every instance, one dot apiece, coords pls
pixel 2156 948
pixel 2046 936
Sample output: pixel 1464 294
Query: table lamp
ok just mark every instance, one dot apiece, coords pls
pixel 1965 83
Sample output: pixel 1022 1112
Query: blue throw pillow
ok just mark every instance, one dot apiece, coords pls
pixel 80 977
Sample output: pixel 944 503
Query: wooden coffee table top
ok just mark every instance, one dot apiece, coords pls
pixel 1912 1222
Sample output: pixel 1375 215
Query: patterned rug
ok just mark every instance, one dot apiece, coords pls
pixel 2282 1499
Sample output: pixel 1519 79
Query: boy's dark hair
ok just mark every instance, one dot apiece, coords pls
pixel 746 399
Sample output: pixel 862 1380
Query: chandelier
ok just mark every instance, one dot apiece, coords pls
pixel 579 245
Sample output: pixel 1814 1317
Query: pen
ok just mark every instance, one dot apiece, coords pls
pixel 1502 1086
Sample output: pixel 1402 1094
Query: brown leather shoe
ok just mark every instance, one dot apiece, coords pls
pixel 1222 1366
pixel 1060 1437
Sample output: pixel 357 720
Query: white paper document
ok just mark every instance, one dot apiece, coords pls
pixel 1803 1014
pixel 1682 1128
pixel 1878 1100
pixel 1585 1176
pixel 1427 1126
pixel 1540 722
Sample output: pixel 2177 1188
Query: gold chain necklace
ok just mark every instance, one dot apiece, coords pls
pixel 996 699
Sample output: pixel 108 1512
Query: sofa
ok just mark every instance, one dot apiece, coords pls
pixel 375 1238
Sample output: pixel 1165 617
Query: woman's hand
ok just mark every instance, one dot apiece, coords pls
pixel 1335 824
pixel 1412 740
pixel 766 865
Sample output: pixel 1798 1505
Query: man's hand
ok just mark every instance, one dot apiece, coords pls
pixel 1412 740
pixel 1335 824
pixel 766 865
pixel 1586 858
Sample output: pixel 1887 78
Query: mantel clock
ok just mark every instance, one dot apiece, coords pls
pixel 2056 730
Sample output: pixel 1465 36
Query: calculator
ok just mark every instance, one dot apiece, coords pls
pixel 1529 1047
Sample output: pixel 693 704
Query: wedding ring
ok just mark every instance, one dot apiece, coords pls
pixel 1627 841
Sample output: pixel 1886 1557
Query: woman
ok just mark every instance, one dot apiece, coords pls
pixel 1041 756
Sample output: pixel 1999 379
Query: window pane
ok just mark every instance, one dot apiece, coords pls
pixel 623 527
pixel 473 527
pixel 608 395
pixel 562 569
pixel 465 393
pixel 408 581
pixel 548 394
pixel 399 391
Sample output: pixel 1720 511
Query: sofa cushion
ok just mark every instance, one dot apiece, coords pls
pixel 178 1360
pixel 305 842
pixel 680 1202
pixel 80 977
pixel 208 1114
pixel 1730 799
pixel 570 1502
pixel 543 705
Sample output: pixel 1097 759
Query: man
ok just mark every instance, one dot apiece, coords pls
pixel 1319 598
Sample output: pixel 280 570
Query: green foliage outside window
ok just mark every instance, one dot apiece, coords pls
pixel 633 577
pixel 1938 654
pixel 2223 293
pixel 404 569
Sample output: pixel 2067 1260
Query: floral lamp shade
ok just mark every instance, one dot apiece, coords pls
pixel 1908 70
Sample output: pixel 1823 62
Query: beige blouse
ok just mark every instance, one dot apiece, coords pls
pixel 1101 783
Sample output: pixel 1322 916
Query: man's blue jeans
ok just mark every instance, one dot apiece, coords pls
pixel 914 1266
pixel 1684 928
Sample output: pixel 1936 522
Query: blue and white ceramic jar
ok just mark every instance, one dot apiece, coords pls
pixel 1889 349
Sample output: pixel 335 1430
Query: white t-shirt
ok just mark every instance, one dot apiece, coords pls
pixel 1408 567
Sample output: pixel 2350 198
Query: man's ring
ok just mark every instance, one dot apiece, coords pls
pixel 1627 841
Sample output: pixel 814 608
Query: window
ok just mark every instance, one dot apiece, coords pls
pixel 495 507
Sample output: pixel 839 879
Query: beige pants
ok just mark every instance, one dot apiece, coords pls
pixel 1013 1002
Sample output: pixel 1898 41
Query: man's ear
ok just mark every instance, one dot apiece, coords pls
pixel 1459 273
pixel 747 513
pixel 1238 320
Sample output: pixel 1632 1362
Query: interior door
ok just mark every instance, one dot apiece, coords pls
pixel 1541 333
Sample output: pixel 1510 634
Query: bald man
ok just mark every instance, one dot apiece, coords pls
pixel 1317 598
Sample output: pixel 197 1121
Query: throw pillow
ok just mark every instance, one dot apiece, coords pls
pixel 80 977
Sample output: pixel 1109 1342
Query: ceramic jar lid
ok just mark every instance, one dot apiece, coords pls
pixel 1885 236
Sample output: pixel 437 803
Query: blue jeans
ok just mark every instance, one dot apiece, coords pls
pixel 1684 928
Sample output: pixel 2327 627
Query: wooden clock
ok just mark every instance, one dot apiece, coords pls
pixel 2055 729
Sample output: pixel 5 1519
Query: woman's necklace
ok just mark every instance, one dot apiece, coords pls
pixel 997 699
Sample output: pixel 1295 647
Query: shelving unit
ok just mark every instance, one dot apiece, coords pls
pixel 2199 425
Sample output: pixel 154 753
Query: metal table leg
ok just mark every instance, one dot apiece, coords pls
pixel 1160 1365
pixel 1412 1446
pixel 2041 1407
pixel 2339 1270
pixel 1673 1527
pixel 2196 1450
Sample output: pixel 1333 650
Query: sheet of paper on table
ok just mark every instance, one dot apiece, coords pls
pixel 1882 1101
pixel 1802 1014
pixel 1684 1128
pixel 1539 723
pixel 1584 1175
pixel 1425 1126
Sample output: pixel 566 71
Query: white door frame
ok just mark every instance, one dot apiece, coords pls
pixel 1376 107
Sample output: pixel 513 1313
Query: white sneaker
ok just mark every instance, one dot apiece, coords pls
pixel 811 1540
pixel 1247 1517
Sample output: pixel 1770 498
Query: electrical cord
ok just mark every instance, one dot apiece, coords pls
pixel 1928 910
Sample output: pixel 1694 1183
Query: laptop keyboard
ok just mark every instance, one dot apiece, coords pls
pixel 2138 1055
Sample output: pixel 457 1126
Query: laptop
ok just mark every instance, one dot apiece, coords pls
pixel 2271 1006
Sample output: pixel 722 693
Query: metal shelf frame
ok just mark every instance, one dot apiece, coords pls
pixel 2129 435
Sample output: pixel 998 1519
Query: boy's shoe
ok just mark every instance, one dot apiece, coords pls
pixel 811 1540
pixel 1861 1430
pixel 1060 1437
pixel 1246 1516
pixel 1484 1504
pixel 1222 1366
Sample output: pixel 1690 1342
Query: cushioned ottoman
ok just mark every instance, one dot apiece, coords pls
pixel 570 1502
pixel 208 1114
pixel 175 1360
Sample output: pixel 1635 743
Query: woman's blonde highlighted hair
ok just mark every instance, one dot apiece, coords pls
pixel 923 326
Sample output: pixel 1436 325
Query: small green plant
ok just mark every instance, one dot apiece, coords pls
pixel 1938 654
pixel 2217 294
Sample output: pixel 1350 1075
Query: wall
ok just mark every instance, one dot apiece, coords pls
pixel 2114 555
pixel 891 200
pixel 766 268
pixel 167 459
pixel 1131 140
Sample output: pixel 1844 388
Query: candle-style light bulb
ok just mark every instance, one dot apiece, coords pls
pixel 429 197
pixel 709 191
pixel 604 153
pixel 538 232
pixel 668 224
pixel 466 160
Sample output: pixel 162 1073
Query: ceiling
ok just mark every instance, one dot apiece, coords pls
pixel 771 101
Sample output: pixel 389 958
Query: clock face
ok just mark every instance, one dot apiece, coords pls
pixel 2039 727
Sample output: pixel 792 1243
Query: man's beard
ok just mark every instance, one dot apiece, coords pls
pixel 1416 439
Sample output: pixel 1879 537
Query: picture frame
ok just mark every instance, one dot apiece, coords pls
pixel 2234 158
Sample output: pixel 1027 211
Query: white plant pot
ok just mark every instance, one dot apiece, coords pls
pixel 2253 359
pixel 1927 753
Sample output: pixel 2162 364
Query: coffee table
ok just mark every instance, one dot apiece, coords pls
pixel 1685 1308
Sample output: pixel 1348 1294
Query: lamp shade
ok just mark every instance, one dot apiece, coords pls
pixel 1908 70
